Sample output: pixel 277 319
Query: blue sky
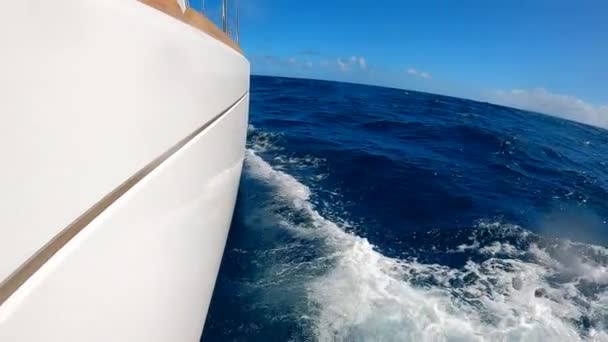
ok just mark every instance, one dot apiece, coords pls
pixel 549 56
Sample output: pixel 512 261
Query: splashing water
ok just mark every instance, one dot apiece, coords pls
pixel 516 294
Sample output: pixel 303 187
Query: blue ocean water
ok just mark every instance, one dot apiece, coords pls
pixel 376 214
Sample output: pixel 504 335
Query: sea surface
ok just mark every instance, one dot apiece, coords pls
pixel 376 214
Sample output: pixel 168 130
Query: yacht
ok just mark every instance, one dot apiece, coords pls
pixel 123 135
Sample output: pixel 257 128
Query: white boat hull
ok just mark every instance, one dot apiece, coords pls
pixel 93 93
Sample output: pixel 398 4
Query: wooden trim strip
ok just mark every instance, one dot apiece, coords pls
pixel 12 283
pixel 194 19
pixel 199 21
pixel 169 7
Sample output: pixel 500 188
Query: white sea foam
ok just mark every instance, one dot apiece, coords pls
pixel 500 248
pixel 292 189
pixel 366 296
pixel 261 141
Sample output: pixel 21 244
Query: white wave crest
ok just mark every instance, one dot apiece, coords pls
pixel 366 296
pixel 261 141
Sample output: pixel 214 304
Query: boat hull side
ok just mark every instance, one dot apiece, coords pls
pixel 145 268
pixel 91 92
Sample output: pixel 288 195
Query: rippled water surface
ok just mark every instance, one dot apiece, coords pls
pixel 375 214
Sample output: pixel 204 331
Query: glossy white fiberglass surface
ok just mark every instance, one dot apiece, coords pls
pixel 91 91
pixel 144 270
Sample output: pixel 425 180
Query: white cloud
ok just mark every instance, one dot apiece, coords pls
pixel 352 62
pixel 541 100
pixel 349 64
pixel 362 63
pixel 344 66
pixel 414 72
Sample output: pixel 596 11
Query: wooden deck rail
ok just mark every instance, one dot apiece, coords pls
pixel 194 19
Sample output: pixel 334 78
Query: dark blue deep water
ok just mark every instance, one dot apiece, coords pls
pixel 376 214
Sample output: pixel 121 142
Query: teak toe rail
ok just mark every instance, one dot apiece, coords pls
pixel 193 18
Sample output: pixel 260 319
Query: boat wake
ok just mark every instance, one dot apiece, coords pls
pixel 513 284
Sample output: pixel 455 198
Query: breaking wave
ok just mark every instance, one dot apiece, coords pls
pixel 514 285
